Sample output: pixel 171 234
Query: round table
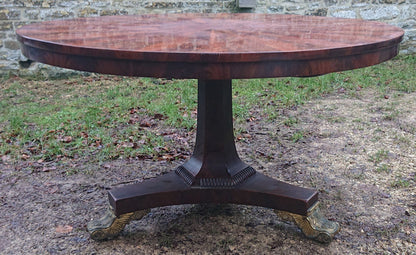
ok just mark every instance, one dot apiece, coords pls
pixel 213 48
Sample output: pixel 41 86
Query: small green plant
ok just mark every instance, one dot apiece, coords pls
pixel 290 121
pixel 400 182
pixel 383 168
pixel 297 136
pixel 379 156
pixel 391 116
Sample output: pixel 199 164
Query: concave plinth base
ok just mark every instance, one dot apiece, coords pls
pixel 170 189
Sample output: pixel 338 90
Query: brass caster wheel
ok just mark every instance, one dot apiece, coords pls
pixel 314 225
pixel 109 226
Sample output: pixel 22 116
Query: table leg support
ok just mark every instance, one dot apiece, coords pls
pixel 214 174
pixel 110 226
pixel 314 225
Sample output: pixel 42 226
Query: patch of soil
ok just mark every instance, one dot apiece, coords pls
pixel 360 153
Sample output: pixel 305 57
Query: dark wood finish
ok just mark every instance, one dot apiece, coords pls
pixel 210 46
pixel 214 173
pixel 170 189
pixel 213 48
pixel 215 161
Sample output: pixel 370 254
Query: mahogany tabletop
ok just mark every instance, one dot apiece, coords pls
pixel 210 46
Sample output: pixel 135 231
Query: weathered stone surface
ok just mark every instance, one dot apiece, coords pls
pixel 31 14
pixel 32 3
pixel 9 14
pixel 11 3
pixel 113 12
pixel 359 3
pixel 294 8
pixel 55 14
pixel 348 14
pixel 100 3
pixel 408 24
pixel 70 4
pixel 317 12
pixel 163 4
pixel 5 26
pixel 387 12
pixel 11 45
pixel 388 1
pixel 88 11
pixel 276 9
pixel 6 55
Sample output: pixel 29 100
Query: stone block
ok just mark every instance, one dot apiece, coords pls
pixel 11 3
pixel 113 12
pixel 55 14
pixel 294 8
pixel 359 3
pixel 162 5
pixel 88 11
pixel 387 12
pixel 48 3
pixel 348 14
pixel 330 2
pixel 6 25
pixel 32 3
pixel 99 3
pixel 317 12
pixel 18 24
pixel 388 1
pixel 70 4
pixel 246 4
pixel 7 14
pixel 11 45
pixel 31 14
pixel 276 9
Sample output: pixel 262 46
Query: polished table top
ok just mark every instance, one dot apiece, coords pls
pixel 210 46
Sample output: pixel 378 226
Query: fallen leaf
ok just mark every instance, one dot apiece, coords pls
pixel 25 157
pixel 145 123
pixel 48 169
pixel 159 116
pixel 107 166
pixel 64 229
pixel 67 139
pixel 5 158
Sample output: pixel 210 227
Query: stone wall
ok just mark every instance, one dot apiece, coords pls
pixel 14 13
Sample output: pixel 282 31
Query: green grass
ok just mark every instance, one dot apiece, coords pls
pixel 297 136
pixel 107 117
pixel 400 182
pixel 379 156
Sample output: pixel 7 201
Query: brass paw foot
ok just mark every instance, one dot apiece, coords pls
pixel 315 226
pixel 110 225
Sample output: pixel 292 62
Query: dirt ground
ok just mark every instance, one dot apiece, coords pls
pixel 359 152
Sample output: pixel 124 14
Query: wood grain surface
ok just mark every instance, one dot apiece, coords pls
pixel 210 46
